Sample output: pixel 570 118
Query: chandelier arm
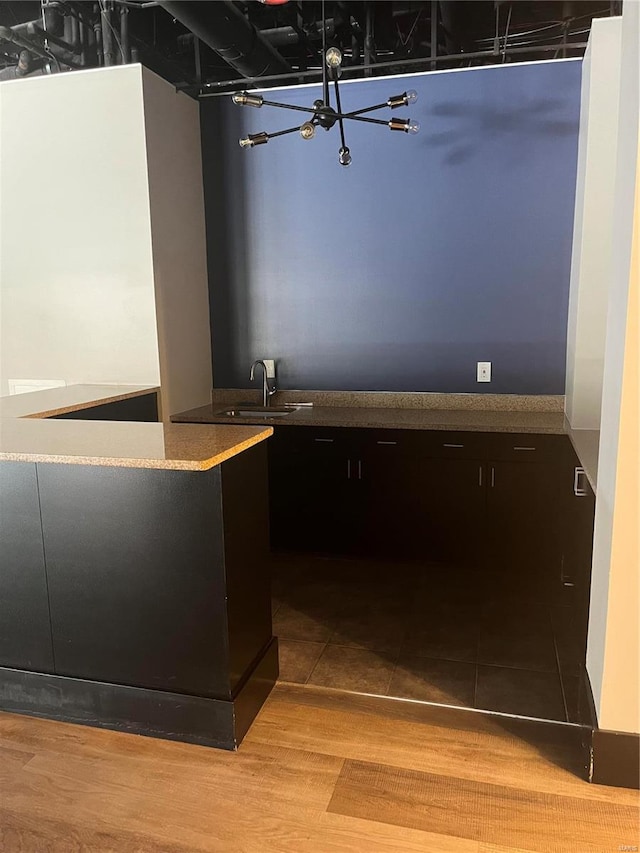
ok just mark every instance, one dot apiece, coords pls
pixel 334 74
pixel 289 107
pixel 362 118
pixel 283 132
pixel 368 109
pixel 336 115
pixel 316 110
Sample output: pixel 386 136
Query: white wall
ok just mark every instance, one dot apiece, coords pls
pixel 593 232
pixel 172 124
pixel 76 274
pixel 613 653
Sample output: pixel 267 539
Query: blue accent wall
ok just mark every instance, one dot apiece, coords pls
pixel 428 254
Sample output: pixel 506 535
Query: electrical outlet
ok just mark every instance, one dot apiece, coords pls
pixel 271 367
pixel 484 371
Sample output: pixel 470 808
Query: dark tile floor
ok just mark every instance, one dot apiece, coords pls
pixel 425 632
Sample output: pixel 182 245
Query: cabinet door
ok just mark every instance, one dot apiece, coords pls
pixel 25 629
pixel 422 507
pixel 452 500
pixel 523 509
pixel 388 499
pixel 312 502
pixel 574 581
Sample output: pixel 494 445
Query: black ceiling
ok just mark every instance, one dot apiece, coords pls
pixel 376 37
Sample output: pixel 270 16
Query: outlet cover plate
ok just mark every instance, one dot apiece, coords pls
pixel 484 371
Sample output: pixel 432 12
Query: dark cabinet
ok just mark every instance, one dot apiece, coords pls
pixel 415 504
pixel 578 513
pixel 452 510
pixel 386 480
pixel 522 545
pixel 376 493
pixel 524 510
pixel 486 499
pixel 573 585
pixel 157 579
pixel 25 629
pixel 312 504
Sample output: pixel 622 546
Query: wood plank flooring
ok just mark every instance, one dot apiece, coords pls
pixel 319 772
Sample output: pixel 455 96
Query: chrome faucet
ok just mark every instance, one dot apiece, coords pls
pixel 267 392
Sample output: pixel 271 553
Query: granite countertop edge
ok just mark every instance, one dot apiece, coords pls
pixel 387 418
pixel 27 426
pixel 546 420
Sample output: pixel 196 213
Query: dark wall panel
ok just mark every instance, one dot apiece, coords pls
pixel 136 576
pixel 25 627
pixel 426 255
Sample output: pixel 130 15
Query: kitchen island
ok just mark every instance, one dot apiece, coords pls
pixel 134 589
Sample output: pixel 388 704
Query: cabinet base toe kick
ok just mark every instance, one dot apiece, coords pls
pixel 201 720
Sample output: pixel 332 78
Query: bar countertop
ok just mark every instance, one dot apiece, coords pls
pixel 28 434
pixel 69 398
pixel 537 415
pixel 388 418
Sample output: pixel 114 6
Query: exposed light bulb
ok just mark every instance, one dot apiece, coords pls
pixel 244 99
pixel 402 100
pixel 253 139
pixel 396 101
pixel 404 124
pixel 344 156
pixel 307 130
pixel 333 57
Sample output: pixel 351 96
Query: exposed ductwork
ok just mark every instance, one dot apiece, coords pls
pixel 223 28
pixel 20 70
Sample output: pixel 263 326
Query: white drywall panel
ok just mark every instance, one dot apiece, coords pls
pixel 76 278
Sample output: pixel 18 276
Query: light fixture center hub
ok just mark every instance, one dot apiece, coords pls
pixel 325 115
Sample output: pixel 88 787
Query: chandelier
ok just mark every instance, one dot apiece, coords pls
pixel 322 114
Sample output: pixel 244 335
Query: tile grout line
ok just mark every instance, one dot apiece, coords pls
pixel 313 668
pixel 559 674
pixel 395 668
pixel 475 683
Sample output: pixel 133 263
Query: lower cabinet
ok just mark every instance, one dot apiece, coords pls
pixel 490 499
pixel 312 505
pixel 522 518
pixel 416 505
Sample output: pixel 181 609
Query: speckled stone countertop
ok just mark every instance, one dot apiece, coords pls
pixel 27 433
pixel 221 397
pixel 507 413
pixel 469 420
pixel 69 398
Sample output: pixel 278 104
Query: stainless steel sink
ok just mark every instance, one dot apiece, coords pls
pixel 257 412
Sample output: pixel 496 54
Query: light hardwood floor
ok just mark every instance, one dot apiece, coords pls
pixel 319 772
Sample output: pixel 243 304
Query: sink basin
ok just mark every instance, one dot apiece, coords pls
pixel 258 412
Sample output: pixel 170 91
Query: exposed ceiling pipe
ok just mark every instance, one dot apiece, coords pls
pixel 279 36
pixel 22 69
pixel 223 28
pixel 7 34
pixel 125 44
pixel 108 56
